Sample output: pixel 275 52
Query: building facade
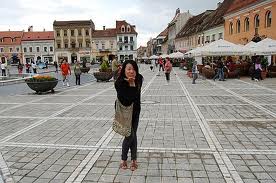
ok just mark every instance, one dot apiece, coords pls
pixel 73 40
pixel 159 40
pixel 248 19
pixel 10 46
pixel 104 44
pixel 126 41
pixel 175 26
pixel 38 46
pixel 141 52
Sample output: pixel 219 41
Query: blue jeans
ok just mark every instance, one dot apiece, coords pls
pixel 221 73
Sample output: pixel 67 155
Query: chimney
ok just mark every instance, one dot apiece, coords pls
pixel 104 27
pixel 218 5
pixel 134 27
pixel 43 29
pixel 177 11
pixel 30 28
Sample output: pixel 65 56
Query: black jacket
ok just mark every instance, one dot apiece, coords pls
pixel 128 95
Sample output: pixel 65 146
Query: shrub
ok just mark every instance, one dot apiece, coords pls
pixel 104 66
pixel 40 78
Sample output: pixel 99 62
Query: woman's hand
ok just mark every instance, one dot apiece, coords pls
pixel 131 81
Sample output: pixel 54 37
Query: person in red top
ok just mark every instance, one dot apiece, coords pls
pixel 65 71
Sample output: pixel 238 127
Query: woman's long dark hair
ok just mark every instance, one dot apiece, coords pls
pixel 123 74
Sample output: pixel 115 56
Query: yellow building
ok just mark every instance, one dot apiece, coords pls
pixel 104 44
pixel 247 18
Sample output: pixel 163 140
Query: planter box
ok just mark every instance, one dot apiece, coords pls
pixel 42 86
pixel 103 76
pixel 85 69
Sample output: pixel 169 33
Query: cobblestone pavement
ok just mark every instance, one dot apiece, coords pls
pixel 208 132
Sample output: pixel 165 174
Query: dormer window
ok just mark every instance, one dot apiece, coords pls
pixel 128 28
pixel 1 40
pixel 123 28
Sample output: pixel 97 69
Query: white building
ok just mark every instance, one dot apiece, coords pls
pixel 213 34
pixel 38 46
pixel 175 26
pixel 126 41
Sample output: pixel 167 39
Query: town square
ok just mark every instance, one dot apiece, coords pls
pixel 191 102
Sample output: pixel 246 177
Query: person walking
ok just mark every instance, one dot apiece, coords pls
pixel 128 87
pixel 20 68
pixel 77 71
pixel 27 67
pixel 34 67
pixel 114 67
pixel 168 69
pixel 56 66
pixel 65 71
pixel 220 72
pixel 194 71
pixel 3 68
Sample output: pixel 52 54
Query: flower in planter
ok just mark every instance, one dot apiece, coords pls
pixel 40 78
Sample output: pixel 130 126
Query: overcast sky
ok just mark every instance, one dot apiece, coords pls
pixel 149 16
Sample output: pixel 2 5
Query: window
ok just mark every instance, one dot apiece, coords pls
pixel 121 48
pixel 231 28
pixel 126 47
pixel 80 45
pixel 1 49
pixel 246 24
pixel 66 45
pixel 213 37
pixel 25 50
pixel 1 40
pixel 268 19
pixel 88 44
pixel 45 49
pixel 131 39
pixel 123 28
pixel 257 21
pixel 125 39
pixel 128 28
pixel 97 46
pixel 220 35
pixel 72 32
pixel 13 40
pixel 79 31
pixel 37 49
pixel 131 47
pixel 120 39
pixel 198 40
pixel 51 48
pixel 58 33
pixel 30 49
pixel 58 45
pixel 111 45
pixel 207 39
pixel 103 46
pixel 65 33
pixel 87 32
pixel 238 26
pixel 73 45
pixel 202 40
pixel 17 49
pixel 10 49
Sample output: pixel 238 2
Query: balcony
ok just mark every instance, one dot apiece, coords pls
pixel 104 50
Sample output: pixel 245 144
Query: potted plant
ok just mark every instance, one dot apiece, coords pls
pixel 189 67
pixel 264 64
pixel 105 72
pixel 42 83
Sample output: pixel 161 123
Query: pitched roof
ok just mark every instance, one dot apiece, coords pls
pixel 194 24
pixel 120 23
pixel 205 20
pixel 11 34
pixel 164 32
pixel 35 36
pixel 239 4
pixel 73 22
pixel 104 33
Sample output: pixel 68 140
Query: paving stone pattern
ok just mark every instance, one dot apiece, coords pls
pixel 211 132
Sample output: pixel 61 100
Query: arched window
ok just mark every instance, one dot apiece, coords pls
pixel 256 21
pixel 128 28
pixel 238 26
pixel 246 24
pixel 231 28
pixel 268 19
pixel 123 28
